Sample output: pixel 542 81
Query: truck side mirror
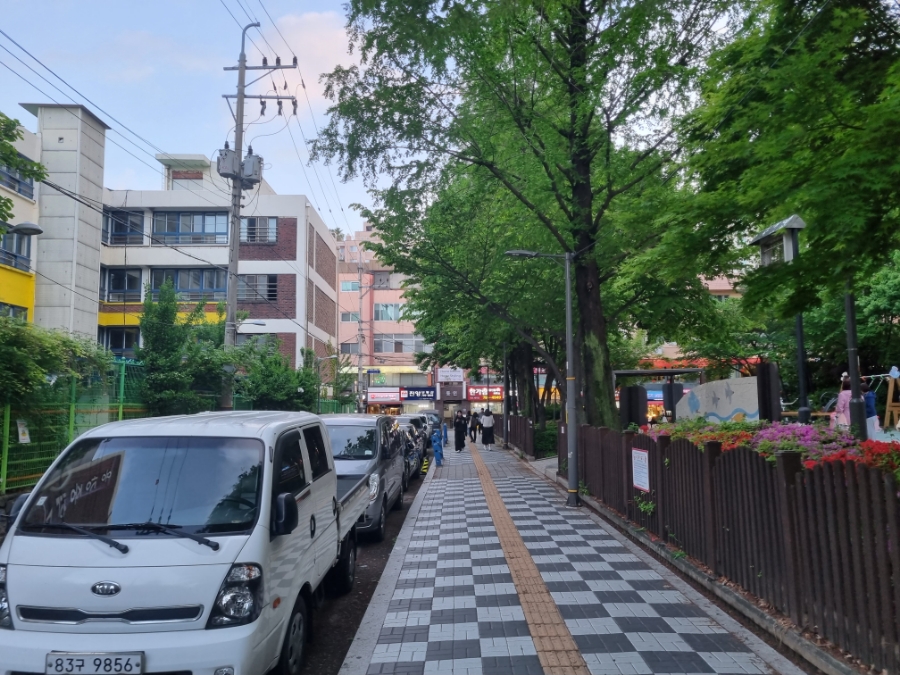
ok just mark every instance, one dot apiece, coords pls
pixel 17 507
pixel 287 516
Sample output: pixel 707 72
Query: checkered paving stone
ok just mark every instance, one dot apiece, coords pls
pixel 455 609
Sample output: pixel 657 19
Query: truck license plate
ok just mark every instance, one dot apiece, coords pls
pixel 104 663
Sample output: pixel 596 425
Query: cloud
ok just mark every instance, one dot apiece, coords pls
pixel 141 55
pixel 320 41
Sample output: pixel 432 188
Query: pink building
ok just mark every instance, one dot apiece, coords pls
pixel 373 332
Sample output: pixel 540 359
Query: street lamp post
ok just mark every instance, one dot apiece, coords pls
pixel 571 423
pixel 319 380
pixel 785 235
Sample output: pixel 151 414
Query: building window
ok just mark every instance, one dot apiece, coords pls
pixel 123 228
pixel 258 287
pixel 120 285
pixel 353 249
pixel 14 311
pixel 401 343
pixel 194 284
pixel 175 227
pixel 341 253
pixel 387 311
pixel 349 286
pixel 350 317
pixel 16 181
pixel 381 280
pixel 15 251
pixel 259 230
pixel 260 339
pixel 120 340
pixel 349 348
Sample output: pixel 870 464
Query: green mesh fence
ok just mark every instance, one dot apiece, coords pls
pixel 329 406
pixel 33 437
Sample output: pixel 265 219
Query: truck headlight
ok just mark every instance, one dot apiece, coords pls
pixel 240 597
pixel 374 481
pixel 5 616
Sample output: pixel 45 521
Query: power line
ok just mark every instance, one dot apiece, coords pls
pixel 110 116
pixel 311 113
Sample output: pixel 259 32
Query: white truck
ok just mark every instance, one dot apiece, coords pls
pixel 188 545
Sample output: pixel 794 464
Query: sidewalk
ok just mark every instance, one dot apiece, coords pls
pixel 493 575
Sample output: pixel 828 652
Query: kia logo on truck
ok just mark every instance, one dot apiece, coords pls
pixel 106 588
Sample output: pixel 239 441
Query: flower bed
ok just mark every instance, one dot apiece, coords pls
pixel 817 442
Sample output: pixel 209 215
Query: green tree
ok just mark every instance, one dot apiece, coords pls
pixel 31 357
pixel 801 114
pixel 9 157
pixel 563 107
pixel 269 381
pixel 184 360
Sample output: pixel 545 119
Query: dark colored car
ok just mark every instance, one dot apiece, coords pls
pixel 370 447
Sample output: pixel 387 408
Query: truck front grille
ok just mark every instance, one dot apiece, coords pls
pixel 133 616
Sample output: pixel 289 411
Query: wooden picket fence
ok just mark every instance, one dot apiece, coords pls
pixel 820 545
pixel 521 433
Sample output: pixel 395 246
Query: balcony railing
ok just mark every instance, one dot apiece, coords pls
pixel 20 262
pixel 185 238
pixel 14 181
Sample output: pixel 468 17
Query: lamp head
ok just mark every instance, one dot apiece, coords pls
pixel 25 228
pixel 522 254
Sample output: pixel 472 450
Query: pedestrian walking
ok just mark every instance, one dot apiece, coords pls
pixel 841 417
pixel 473 426
pixel 459 431
pixel 487 430
pixel 871 416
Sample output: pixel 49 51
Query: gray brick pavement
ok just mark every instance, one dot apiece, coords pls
pixel 454 608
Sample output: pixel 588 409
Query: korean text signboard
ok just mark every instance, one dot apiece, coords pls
pixel 384 395
pixel 417 393
pixel 486 393
pixel 640 469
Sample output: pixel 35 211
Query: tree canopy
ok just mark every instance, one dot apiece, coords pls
pixel 562 112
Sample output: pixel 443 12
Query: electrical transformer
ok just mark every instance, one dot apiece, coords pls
pixel 228 164
pixel 251 169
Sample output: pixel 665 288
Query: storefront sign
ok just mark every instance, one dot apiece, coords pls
pixel 451 375
pixel 640 469
pixel 486 393
pixel 417 393
pixel 452 392
pixel 384 395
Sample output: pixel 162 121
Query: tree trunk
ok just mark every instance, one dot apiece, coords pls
pixel 597 371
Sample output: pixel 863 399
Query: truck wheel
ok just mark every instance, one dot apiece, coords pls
pixel 294 647
pixel 344 573
pixel 382 522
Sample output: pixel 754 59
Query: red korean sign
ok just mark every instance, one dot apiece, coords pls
pixel 485 393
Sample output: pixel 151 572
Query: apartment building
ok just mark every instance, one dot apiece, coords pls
pixel 17 276
pixel 103 250
pixel 372 316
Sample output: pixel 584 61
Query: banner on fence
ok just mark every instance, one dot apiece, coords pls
pixel 640 469
pixel 24 436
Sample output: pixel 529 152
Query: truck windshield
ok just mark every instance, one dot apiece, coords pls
pixel 352 442
pixel 198 485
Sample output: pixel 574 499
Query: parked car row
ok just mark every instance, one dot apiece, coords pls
pixel 196 543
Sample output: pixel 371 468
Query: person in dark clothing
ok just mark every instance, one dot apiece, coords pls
pixel 459 431
pixel 473 426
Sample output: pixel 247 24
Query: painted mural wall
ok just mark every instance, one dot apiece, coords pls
pixel 721 401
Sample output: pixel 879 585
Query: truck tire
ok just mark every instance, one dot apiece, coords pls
pixel 294 648
pixel 343 575
pixel 382 522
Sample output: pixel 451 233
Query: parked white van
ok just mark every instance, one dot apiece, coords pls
pixel 189 545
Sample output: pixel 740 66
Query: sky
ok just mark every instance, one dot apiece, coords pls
pixel 157 67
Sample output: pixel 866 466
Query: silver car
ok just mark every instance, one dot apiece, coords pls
pixel 368 446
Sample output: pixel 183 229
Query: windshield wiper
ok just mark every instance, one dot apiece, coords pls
pixel 168 529
pixel 346 456
pixel 112 543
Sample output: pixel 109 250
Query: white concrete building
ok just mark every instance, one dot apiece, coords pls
pixel 119 243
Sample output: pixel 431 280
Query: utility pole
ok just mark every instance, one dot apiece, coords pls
pixel 231 166
pixel 360 403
